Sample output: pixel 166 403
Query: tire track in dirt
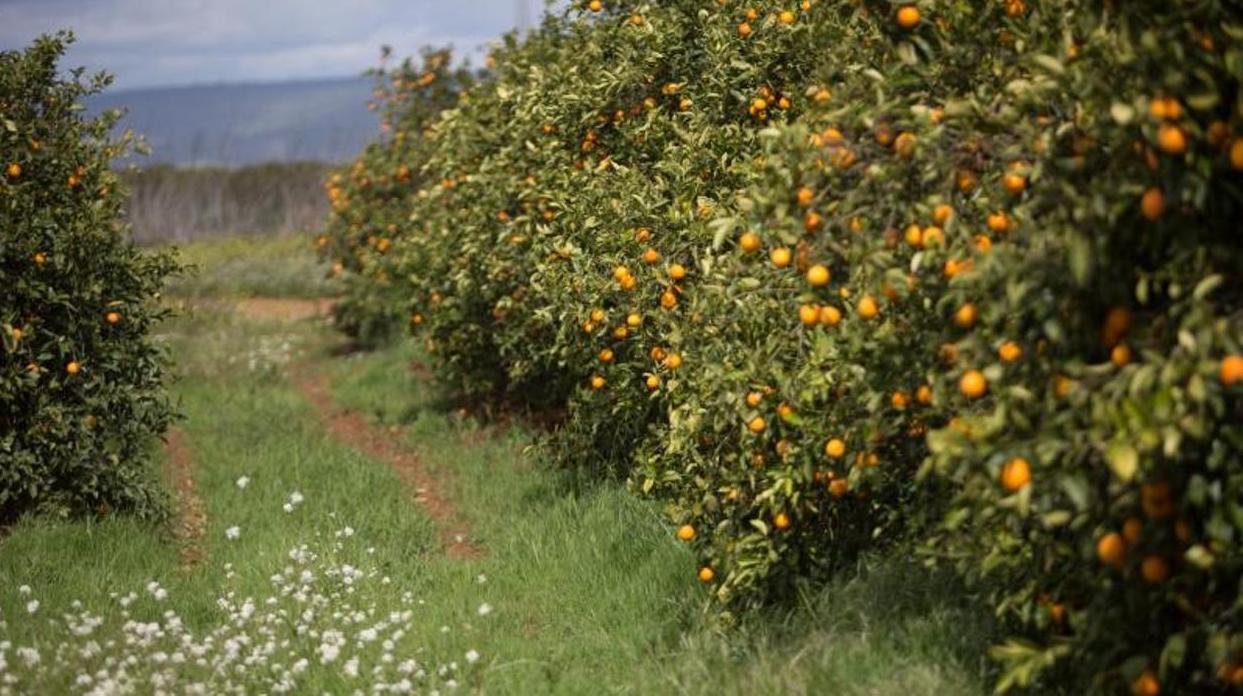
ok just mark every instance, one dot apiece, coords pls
pixel 354 430
pixel 191 515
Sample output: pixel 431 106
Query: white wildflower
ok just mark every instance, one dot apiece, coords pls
pixel 243 481
pixel 233 532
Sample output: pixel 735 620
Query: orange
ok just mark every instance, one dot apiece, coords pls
pixel 973 384
pixel 1132 528
pixel 668 300
pixel 867 307
pixel 744 29
pixel 651 256
pixel 653 382
pixel 904 144
pixel 1117 324
pixel 1171 139
pixel 673 361
pixel 1152 204
pixel 784 410
pixel 686 532
pixel 756 425
pixel 835 448
pixel 999 222
pixel 914 236
pixel 966 316
pixel 597 382
pixel 595 5
pixel 830 315
pixel 633 320
pixel 597 315
pixel 112 317
pixel 1111 549
pixel 838 487
pixel 786 17
pixel 942 213
pixel 1236 154
pixel 14 170
pixel 1120 356
pixel 706 574
pixel 73 367
pixel 933 236
pixel 754 399
pixel 1146 684
pixel 749 242
pixel 924 394
pixel 606 355
pixel 899 400
pixel 1157 500
pixel 780 257
pixel 1154 569
pixel 1014 183
pixel 1016 474
pixel 812 221
pixel 818 276
pixel 642 234
pixel 781 521
pixel 1010 351
pixel 677 271
pixel 40 259
pixel 636 20
pixel 16 333
pixel 809 315
pixel 908 16
pixel 1231 370
pixel 805 196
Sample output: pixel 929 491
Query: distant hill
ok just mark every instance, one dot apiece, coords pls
pixel 239 124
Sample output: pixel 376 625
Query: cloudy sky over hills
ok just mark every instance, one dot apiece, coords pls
pixel 148 43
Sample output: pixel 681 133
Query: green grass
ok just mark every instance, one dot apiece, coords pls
pixel 588 588
pixel 259 266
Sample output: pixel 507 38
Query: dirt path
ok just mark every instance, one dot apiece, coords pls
pixel 192 518
pixel 374 441
pixel 284 308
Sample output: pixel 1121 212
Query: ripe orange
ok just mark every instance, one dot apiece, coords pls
pixel 112 317
pixel 1152 204
pixel 781 521
pixel 16 333
pixel 651 256
pixel 677 271
pixel 1010 351
pixel 1171 139
pixel 914 236
pixel 1016 474
pixel 1146 684
pixel 899 400
pixel 754 398
pixel 1014 183
pixel 904 144
pixel 673 361
pixel 595 5
pixel 749 242
pixel 908 16
pixel 999 222
pixel 744 29
pixel 780 257
pixel 830 315
pixel 1236 154
pixel 597 382
pixel 835 448
pixel 14 170
pixel 606 355
pixel 867 307
pixel 818 276
pixel 838 487
pixel 73 367
pixel 706 574
pixel 1111 549
pixel 668 300
pixel 966 316
pixel 1231 370
pixel 1154 569
pixel 686 532
pixel 1120 356
pixel 40 259
pixel 634 320
pixel 786 17
pixel 808 314
pixel 812 221
pixel 924 394
pixel 756 425
pixel 653 382
pixel 973 384
pixel 805 196
pixel 933 236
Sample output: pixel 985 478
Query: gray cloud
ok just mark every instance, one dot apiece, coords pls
pixel 165 42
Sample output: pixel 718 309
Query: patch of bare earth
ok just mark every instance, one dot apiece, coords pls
pixel 284 308
pixel 191 515
pixel 379 443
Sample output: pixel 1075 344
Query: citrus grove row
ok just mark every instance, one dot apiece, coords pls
pixel 833 276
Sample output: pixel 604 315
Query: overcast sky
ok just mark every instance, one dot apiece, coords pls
pixel 149 43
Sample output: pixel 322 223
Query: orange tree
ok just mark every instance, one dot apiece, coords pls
pixel 81 383
pixel 371 196
pixel 826 275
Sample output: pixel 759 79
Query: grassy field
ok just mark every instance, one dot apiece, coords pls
pixel 319 574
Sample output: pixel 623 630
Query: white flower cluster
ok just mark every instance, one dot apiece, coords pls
pixel 309 625
pixel 271 353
